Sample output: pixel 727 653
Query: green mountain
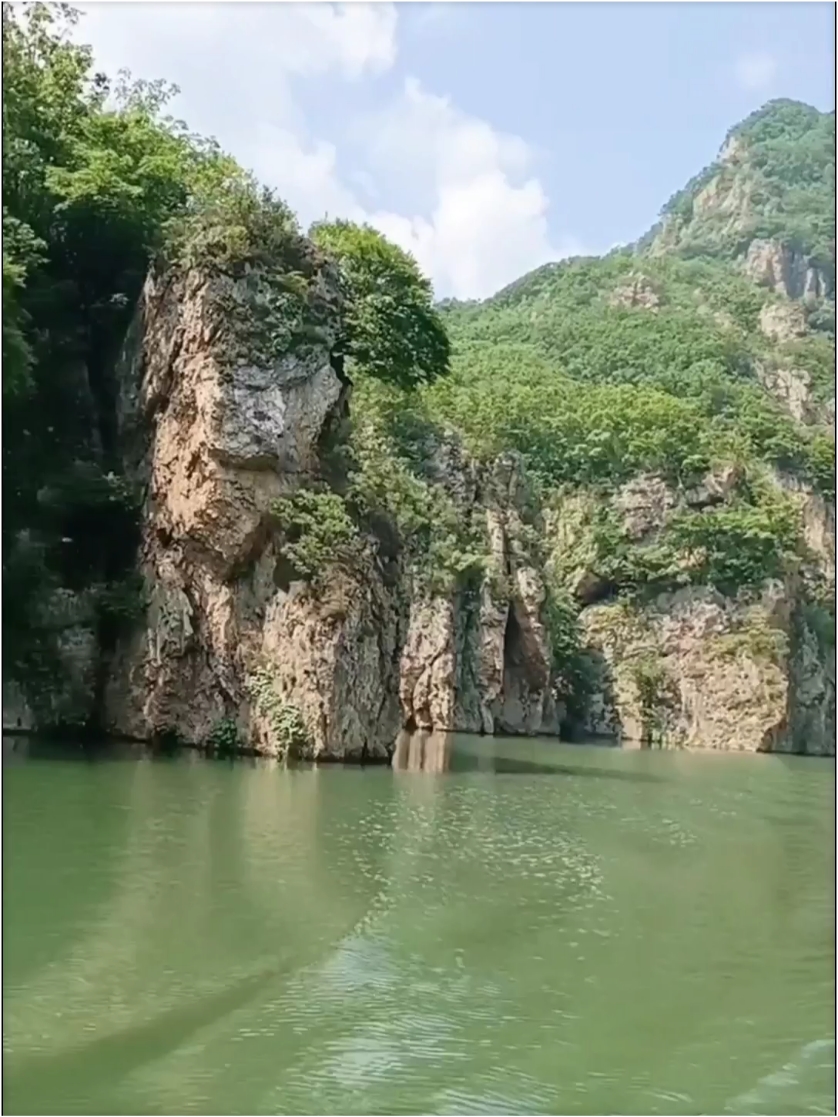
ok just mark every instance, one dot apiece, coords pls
pixel 514 483
pixel 706 350
pixel 711 323
pixel 683 349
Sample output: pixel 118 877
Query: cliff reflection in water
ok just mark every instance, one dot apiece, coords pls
pixel 423 752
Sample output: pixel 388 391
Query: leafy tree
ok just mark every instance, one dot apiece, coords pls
pixel 93 177
pixel 391 329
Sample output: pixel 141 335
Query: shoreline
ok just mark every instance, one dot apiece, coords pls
pixel 101 746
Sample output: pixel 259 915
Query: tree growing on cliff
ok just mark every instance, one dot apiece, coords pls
pixel 94 173
pixel 391 330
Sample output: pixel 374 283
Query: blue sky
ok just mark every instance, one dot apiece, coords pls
pixel 486 138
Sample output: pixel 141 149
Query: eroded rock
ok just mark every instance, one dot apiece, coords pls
pixel 785 271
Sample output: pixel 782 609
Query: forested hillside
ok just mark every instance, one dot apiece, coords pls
pixel 697 365
pixel 680 357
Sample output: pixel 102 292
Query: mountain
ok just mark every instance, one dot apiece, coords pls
pixel 261 494
pixel 673 406
pixel 723 312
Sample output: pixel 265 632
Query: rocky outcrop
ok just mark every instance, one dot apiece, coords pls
pixel 793 388
pixel 479 660
pixel 639 292
pixel 782 321
pixel 216 431
pixel 699 670
pixel 818 525
pixel 234 643
pixel 331 654
pixel 692 667
pixel 685 671
pixel 770 263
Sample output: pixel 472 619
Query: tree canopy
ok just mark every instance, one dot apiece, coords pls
pixel 391 330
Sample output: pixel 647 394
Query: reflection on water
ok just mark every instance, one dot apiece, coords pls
pixel 519 926
pixel 442 752
pixel 422 752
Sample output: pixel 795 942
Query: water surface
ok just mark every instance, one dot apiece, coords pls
pixel 504 926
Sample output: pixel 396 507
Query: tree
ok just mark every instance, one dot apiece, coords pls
pixel 94 177
pixel 391 329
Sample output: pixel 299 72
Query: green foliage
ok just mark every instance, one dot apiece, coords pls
pixel 92 176
pixel 815 354
pixel 317 529
pixel 17 353
pixel 569 431
pixel 737 546
pixel 391 330
pixel 229 223
pixel 820 318
pixel 785 162
pixel 754 535
pixel 572 667
pixel 653 685
pixel 224 738
pixel 395 445
pixel 591 389
pixel 287 724
pixel 592 393
pixel 621 562
pixel 821 463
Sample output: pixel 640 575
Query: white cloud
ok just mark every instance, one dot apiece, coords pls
pixel 756 71
pixel 462 196
pixel 303 172
pixel 234 63
pixel 432 17
pixel 488 214
pixel 296 38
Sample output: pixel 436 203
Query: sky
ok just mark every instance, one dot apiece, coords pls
pixel 485 138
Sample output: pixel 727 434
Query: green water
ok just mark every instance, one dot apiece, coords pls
pixel 520 927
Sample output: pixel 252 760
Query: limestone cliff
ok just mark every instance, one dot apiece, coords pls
pixel 697 669
pixel 217 431
pixel 615 516
pixel 329 667
pixel 690 666
pixel 479 659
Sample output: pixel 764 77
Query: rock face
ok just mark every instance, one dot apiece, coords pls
pixel 685 670
pixel 793 388
pixel 479 660
pixel 216 436
pixel 329 670
pixel 698 669
pixel 639 292
pixel 786 271
pixel 782 321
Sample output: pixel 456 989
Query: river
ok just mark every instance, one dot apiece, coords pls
pixel 493 926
